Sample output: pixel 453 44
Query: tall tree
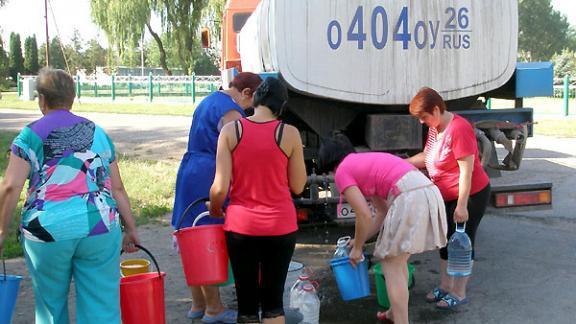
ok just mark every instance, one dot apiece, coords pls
pixel 184 18
pixel 16 61
pixel 31 64
pixel 57 59
pixel 543 30
pixel 4 67
pixel 125 20
pixel 74 52
pixel 94 55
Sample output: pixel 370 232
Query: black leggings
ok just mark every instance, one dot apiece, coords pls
pixel 476 207
pixel 260 265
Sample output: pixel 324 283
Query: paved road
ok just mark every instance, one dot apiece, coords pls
pixel 526 267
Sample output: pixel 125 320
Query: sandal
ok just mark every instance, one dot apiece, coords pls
pixel 383 317
pixel 228 316
pixel 438 293
pixel 195 314
pixel 452 302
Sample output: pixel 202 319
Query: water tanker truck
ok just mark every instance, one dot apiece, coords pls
pixel 352 66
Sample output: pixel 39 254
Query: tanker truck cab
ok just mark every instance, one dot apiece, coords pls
pixel 352 67
pixel 236 13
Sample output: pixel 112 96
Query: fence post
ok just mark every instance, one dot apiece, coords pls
pixel 150 87
pixel 113 89
pixel 193 87
pixel 566 94
pixel 129 85
pixel 95 88
pixel 159 84
pixel 78 87
pixel 18 86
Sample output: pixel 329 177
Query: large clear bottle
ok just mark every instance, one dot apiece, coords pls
pixel 459 253
pixel 342 247
pixel 309 304
pixel 297 289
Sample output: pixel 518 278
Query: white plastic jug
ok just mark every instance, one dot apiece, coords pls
pixel 296 289
pixel 309 304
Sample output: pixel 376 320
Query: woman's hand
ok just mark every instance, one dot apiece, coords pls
pixel 130 240
pixel 460 214
pixel 214 212
pixel 356 255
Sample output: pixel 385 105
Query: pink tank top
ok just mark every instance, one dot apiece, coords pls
pixel 260 200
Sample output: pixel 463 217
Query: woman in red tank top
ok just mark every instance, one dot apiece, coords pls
pixel 259 162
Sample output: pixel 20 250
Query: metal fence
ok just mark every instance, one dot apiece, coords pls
pixel 150 86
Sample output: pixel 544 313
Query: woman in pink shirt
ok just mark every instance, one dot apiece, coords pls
pixel 451 159
pixel 410 216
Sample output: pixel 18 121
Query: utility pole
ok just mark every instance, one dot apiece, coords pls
pixel 47 37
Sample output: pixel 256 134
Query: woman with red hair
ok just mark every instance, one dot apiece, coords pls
pixel 451 159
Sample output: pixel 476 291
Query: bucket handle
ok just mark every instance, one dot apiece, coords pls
pixel 184 214
pixel 150 255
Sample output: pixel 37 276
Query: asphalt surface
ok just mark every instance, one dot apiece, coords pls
pixel 525 270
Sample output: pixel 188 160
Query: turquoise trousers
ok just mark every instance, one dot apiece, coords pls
pixel 93 262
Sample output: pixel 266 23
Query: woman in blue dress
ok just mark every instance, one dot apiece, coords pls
pixel 196 174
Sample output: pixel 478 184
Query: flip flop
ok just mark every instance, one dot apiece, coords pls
pixel 228 316
pixel 438 293
pixel 452 302
pixel 383 317
pixel 195 314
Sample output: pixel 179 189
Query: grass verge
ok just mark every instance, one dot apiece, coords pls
pixel 150 186
pixel 10 100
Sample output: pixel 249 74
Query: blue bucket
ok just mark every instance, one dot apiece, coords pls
pixel 353 283
pixel 8 293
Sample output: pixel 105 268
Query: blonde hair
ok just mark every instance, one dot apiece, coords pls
pixel 57 88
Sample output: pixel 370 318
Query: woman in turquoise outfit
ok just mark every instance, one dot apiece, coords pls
pixel 196 175
pixel 70 226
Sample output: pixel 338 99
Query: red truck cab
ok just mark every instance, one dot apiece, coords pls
pixel 236 12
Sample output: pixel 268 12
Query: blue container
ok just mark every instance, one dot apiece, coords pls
pixel 8 293
pixel 353 283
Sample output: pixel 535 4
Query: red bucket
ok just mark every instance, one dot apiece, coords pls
pixel 203 252
pixel 142 296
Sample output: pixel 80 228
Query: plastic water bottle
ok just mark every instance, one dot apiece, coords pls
pixel 460 253
pixel 296 289
pixel 309 304
pixel 342 247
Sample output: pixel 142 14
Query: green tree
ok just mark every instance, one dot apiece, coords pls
pixel 57 59
pixel 31 64
pixel 16 61
pixel 124 22
pixel 94 55
pixel 543 31
pixel 4 66
pixel 74 52
pixel 565 64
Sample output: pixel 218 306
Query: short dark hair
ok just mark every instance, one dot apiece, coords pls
pixel 57 87
pixel 272 94
pixel 332 151
pixel 424 102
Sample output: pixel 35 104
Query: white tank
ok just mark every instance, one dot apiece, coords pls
pixel 382 52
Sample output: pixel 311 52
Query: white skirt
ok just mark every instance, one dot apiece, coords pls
pixel 416 218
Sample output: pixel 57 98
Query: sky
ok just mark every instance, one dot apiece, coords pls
pixel 75 14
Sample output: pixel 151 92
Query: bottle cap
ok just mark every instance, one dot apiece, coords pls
pixel 308 287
